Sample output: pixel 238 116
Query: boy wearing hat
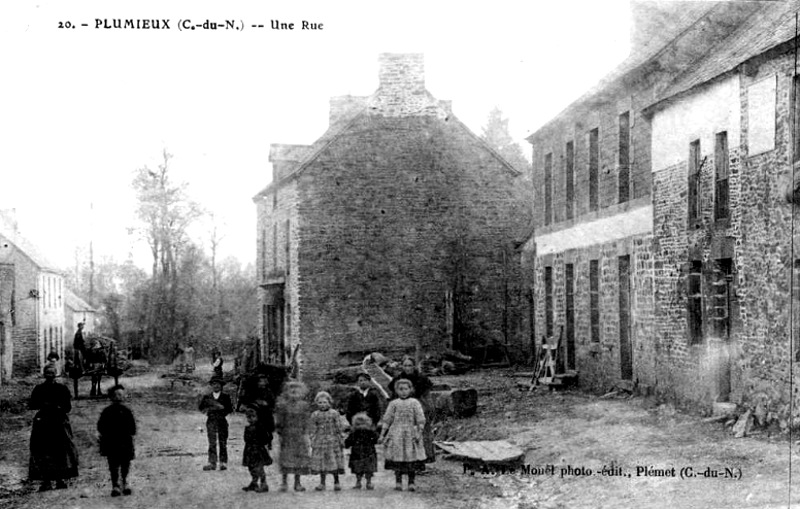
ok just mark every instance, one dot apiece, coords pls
pixel 216 405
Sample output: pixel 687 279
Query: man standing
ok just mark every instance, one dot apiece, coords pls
pixel 216 405
pixel 79 348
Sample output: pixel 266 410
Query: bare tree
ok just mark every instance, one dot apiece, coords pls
pixel 165 213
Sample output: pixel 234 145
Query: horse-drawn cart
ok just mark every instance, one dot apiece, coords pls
pixel 99 358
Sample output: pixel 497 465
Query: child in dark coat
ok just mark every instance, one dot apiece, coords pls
pixel 216 406
pixel 257 442
pixel 363 458
pixel 117 428
pixel 364 399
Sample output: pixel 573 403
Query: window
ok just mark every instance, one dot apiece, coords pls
pixel 624 183
pixel 288 326
pixel 594 298
pixel 275 246
pixel 594 162
pixel 548 189
pixel 694 181
pixel 796 118
pixel 264 329
pixel 570 180
pixel 548 300
pixel 569 277
pixel 263 254
pixel 796 309
pixel 288 224
pixel 721 206
pixel 13 310
pixel 694 302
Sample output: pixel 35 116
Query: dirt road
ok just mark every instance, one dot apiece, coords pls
pixel 569 438
pixel 170 453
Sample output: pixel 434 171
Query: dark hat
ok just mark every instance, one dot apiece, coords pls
pixel 216 380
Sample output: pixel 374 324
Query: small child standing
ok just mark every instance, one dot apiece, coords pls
pixel 326 441
pixel 401 435
pixel 117 427
pixel 216 362
pixel 216 406
pixel 255 457
pixel 291 423
pixel 362 440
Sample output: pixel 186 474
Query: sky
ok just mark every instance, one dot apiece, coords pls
pixel 84 107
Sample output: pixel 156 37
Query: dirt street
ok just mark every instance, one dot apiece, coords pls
pixel 569 437
pixel 170 453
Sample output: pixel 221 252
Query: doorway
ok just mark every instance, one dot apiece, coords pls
pixel 625 347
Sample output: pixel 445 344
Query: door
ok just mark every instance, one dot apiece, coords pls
pixel 570 315
pixel 274 334
pixel 721 289
pixel 625 347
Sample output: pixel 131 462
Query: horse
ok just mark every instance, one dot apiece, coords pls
pixel 95 361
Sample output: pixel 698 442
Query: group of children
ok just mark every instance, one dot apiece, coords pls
pixel 310 442
pixel 314 442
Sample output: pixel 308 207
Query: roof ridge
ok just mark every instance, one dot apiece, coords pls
pixel 627 66
pixel 315 152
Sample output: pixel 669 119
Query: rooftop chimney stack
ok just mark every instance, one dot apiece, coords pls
pixel 401 91
pixel 402 71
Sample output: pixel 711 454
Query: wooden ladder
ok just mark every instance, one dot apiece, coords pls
pixel 547 361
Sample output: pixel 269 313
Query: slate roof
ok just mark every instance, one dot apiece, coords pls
pixel 674 24
pixel 341 126
pixel 772 24
pixel 287 152
pixel 8 231
pixel 75 303
pixel 311 151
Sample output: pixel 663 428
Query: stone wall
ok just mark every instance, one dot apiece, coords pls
pixel 394 214
pixel 277 245
pixel 765 256
pixel 598 363
pixel 756 358
pixel 26 348
pixel 613 230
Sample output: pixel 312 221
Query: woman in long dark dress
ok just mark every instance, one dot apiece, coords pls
pixel 54 456
pixel 422 392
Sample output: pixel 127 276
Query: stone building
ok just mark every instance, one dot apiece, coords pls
pixel 31 304
pixel 724 155
pixel 77 310
pixel 592 253
pixel 396 231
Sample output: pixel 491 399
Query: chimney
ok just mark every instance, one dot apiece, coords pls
pixel 402 71
pixel 285 158
pixel 8 220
